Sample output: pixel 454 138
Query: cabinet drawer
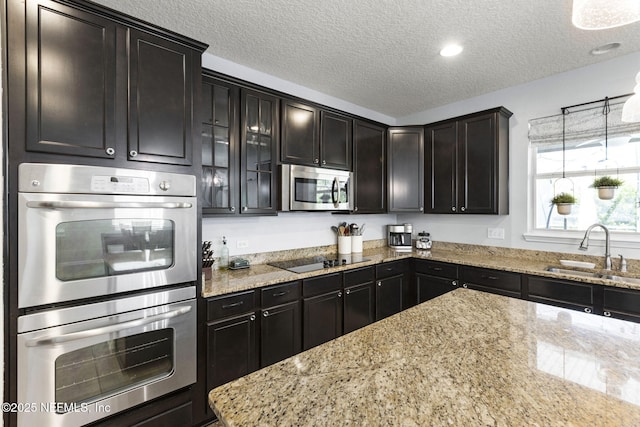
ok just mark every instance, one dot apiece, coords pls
pixel 560 292
pixel 230 305
pixel 321 285
pixel 358 276
pixel 389 269
pixel 492 279
pixel 280 294
pixel 438 269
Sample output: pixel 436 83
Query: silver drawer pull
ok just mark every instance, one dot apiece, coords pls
pixel 279 294
pixel 235 304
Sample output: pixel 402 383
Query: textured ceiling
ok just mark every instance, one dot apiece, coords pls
pixel 383 54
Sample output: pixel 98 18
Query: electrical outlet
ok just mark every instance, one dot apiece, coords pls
pixel 241 244
pixel 495 233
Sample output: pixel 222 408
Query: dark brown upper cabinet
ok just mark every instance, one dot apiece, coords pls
pixel 369 167
pixel 406 168
pixel 467 164
pixel 315 137
pixel 99 86
pixel 299 143
pixel 258 139
pixel 220 150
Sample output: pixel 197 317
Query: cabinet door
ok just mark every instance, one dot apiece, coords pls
pixel 622 303
pixel 219 147
pixel 440 168
pixel 299 142
pixel 389 296
pixel 573 295
pixel 161 100
pixel 359 303
pixel 429 287
pixel 406 169
pixel 280 333
pixel 259 136
pixel 369 167
pixel 70 81
pixel 335 140
pixel 477 177
pixel 231 349
pixel 322 319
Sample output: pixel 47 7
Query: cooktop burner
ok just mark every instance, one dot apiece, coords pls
pixel 304 265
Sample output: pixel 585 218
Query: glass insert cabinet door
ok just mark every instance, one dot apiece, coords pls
pixel 258 167
pixel 219 147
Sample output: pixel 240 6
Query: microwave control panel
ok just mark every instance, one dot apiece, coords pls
pixel 119 184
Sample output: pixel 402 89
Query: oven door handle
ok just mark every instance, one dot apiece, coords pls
pixel 106 205
pixel 58 339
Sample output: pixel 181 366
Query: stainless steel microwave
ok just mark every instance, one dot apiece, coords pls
pixel 304 188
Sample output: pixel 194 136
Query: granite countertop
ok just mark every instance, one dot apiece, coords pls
pixel 464 358
pixel 514 260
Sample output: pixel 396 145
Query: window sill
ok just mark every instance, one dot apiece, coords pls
pixel 597 238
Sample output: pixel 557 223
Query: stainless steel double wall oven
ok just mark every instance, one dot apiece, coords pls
pixel 107 262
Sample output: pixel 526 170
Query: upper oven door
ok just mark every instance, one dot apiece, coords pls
pixel 75 246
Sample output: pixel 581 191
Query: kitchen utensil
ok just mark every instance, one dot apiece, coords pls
pixel 335 229
pixel 362 228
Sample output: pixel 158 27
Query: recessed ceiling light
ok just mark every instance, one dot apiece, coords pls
pixel 451 50
pixel 605 48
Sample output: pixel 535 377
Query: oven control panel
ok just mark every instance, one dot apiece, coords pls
pixel 119 184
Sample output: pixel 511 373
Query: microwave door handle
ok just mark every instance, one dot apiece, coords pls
pixel 88 333
pixel 335 187
pixel 106 205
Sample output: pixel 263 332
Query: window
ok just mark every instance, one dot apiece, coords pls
pixel 586 156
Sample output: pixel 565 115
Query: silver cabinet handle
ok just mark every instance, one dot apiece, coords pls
pixel 110 151
pixel 253 317
pixel 244 209
pixel 464 285
pixel 355 209
pixel 48 340
pixel 324 162
pixel 232 305
pixel 463 209
pixel 587 310
pixel 266 313
pixel 232 208
pixel 339 294
pixel 105 205
pixel 348 291
pixel 316 161
pixel 454 283
pixel 379 283
pixel 453 208
pixel 607 313
pixel 133 153
pixel 421 208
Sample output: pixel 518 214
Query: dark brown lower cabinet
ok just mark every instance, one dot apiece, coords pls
pixel 494 281
pixel 622 303
pixel 231 349
pixel 280 335
pixel 389 296
pixel 359 303
pixel 562 293
pixel 322 319
pixel 434 278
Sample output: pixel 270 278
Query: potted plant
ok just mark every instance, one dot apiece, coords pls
pixel 564 202
pixel 606 186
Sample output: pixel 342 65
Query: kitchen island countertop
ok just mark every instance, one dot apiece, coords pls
pixel 464 358
pixel 514 260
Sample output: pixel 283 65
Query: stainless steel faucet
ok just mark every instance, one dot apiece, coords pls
pixel 607 251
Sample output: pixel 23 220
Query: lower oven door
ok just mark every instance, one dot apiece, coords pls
pixel 89 367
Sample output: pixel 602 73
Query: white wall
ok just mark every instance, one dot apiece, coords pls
pixel 535 99
pixel 539 98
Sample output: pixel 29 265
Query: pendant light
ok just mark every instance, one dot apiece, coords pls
pixel 603 14
pixel 631 108
pixel 563 188
pixel 604 182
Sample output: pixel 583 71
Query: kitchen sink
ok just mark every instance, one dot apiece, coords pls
pixel 626 279
pixel 572 272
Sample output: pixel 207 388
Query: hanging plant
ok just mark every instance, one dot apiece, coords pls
pixel 564 202
pixel 606 186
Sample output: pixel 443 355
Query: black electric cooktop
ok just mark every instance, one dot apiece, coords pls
pixel 304 265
